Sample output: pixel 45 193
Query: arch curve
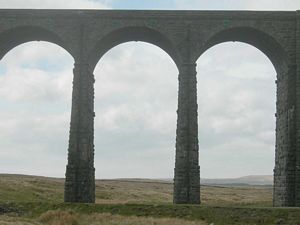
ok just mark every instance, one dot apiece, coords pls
pixel 134 33
pixel 257 38
pixel 22 34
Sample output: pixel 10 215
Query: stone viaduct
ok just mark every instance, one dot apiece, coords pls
pixel 88 34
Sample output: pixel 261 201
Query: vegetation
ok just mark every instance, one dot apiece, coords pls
pixel 38 200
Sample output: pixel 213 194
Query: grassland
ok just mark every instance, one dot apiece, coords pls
pixel 38 200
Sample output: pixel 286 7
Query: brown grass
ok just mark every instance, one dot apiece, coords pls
pixel 237 196
pixel 70 218
pixel 116 192
pixel 16 188
pixel 108 219
pixel 48 194
pixel 57 217
pixel 120 192
pixel 10 220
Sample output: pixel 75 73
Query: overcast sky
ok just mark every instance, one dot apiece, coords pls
pixel 136 101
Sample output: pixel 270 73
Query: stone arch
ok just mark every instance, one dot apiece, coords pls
pixel 80 177
pixel 22 34
pixel 133 33
pixel 284 183
pixel 254 37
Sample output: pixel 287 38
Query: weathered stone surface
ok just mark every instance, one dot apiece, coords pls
pixel 88 34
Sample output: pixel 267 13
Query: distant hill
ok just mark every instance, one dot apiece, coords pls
pixel 25 197
pixel 28 188
pixel 246 180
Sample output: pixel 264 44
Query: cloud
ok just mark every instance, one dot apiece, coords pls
pixel 237 5
pixel 135 108
pixel 29 75
pixel 35 103
pixel 236 158
pixel 54 4
pixel 33 142
pixel 273 5
pixel 166 4
pixel 236 111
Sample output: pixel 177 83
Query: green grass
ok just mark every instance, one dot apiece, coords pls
pixel 16 188
pixel 210 214
pixel 38 196
pixel 20 188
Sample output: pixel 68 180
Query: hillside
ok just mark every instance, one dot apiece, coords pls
pixel 19 188
pixel 246 180
pixel 26 200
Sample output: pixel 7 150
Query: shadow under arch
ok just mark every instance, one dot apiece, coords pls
pixel 127 34
pixel 22 34
pixel 256 38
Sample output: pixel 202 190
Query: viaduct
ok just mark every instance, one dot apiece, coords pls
pixel 88 34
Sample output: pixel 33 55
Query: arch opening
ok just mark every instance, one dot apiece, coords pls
pixel 256 38
pixel 136 102
pixel 129 34
pixel 237 103
pixel 35 99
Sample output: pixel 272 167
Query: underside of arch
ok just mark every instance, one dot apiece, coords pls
pixel 128 34
pixel 19 35
pixel 259 39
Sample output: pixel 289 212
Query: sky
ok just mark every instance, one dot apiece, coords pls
pixel 136 102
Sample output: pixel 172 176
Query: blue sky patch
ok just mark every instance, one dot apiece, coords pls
pixel 46 65
pixel 2 70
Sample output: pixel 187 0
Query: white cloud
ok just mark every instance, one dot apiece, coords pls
pixel 273 5
pixel 237 5
pixel 36 75
pixel 53 4
pixel 35 99
pixel 236 111
pixel 135 104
